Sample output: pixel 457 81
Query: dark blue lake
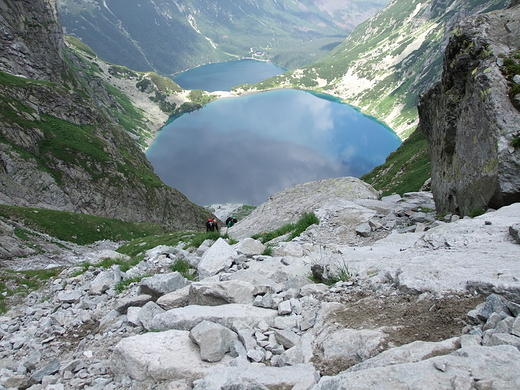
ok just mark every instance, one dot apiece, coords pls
pixel 245 149
pixel 223 76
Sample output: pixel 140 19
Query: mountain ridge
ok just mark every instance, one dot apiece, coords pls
pixel 198 32
pixel 61 142
pixel 388 61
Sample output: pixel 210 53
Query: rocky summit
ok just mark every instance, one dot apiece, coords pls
pixel 402 299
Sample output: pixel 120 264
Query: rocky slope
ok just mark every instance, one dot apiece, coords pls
pixel 432 301
pixel 471 118
pixel 61 146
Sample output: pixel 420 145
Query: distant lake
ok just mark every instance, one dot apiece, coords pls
pixel 223 76
pixel 245 149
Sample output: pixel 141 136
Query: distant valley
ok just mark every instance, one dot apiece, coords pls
pixel 168 36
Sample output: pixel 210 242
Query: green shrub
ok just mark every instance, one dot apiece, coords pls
pixel 476 212
pixel 123 284
pixel 184 268
pixel 515 142
pixel 295 230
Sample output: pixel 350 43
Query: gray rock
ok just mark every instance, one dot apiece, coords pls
pixel 154 357
pixel 409 353
pixel 132 316
pixel 463 366
pixel 214 340
pixel 49 369
pixel 103 281
pixel 284 308
pixel 175 299
pixel 494 304
pixel 286 338
pixel 503 339
pixel 122 305
pixel 185 318
pixel 147 314
pixel 514 232
pixel 350 346
pixel 469 174
pixel 250 247
pixel 219 257
pixel 298 377
pixel 220 293
pixel 162 284
pixel 364 230
pixel 69 296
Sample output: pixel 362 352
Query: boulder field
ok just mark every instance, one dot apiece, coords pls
pixel 399 299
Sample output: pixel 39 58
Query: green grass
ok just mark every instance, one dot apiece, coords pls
pixel 295 229
pixel 405 170
pixel 189 239
pixel 15 285
pixel 184 268
pixel 80 45
pixel 123 284
pixel 81 229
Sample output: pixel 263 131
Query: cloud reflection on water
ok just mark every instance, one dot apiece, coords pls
pixel 246 149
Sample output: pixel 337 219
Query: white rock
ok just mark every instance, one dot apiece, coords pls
pixel 299 377
pixel 216 259
pixel 499 365
pixel 185 318
pixel 160 356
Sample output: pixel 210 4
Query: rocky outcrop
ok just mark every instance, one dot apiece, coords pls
pixel 31 40
pixel 289 205
pixel 469 118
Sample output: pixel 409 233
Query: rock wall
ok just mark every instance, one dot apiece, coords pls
pixel 31 39
pixel 469 120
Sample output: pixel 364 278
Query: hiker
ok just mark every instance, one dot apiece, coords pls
pixel 211 225
pixel 230 221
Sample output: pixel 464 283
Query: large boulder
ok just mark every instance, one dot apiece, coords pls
pixel 186 318
pixel 251 376
pixel 469 119
pixel 154 357
pixel 289 205
pixel 221 293
pixel 219 257
pixel 161 284
pixel 472 367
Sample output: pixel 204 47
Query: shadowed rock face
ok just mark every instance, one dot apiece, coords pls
pixel 469 119
pixel 31 39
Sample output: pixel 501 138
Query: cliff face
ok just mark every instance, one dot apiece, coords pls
pixel 469 119
pixel 61 146
pixel 31 39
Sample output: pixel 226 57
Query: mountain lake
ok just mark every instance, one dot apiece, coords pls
pixel 245 149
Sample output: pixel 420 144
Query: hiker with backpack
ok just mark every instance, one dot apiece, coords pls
pixel 230 221
pixel 211 225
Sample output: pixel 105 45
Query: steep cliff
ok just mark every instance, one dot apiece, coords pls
pixel 470 120
pixel 31 40
pixel 61 146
